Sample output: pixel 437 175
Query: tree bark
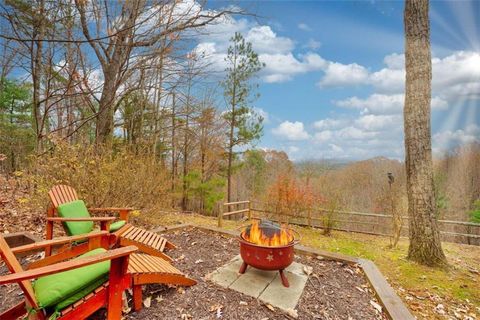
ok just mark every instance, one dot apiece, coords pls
pixel 425 245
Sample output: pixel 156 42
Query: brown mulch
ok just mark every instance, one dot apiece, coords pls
pixel 334 290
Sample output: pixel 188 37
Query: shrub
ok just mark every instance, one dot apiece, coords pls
pixel 329 216
pixel 101 177
pixel 475 213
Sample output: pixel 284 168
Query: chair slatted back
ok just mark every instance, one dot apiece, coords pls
pixel 14 266
pixel 61 194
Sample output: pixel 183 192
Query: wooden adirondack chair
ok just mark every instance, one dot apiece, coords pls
pixel 125 233
pixel 68 290
pixel 151 266
pixel 142 268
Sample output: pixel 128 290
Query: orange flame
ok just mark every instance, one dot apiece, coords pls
pixel 257 236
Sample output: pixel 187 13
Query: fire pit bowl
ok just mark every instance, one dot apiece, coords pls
pixel 268 257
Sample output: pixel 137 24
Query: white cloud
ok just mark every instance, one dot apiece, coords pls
pixel 337 74
pixel 262 113
pixel 304 27
pixel 384 104
pixel 373 122
pixel 329 123
pixel 293 149
pixel 395 61
pixel 446 140
pixel 335 148
pixel 388 80
pixel 376 103
pixel 275 51
pixel 353 133
pixel 454 77
pixel 282 67
pixel 323 136
pixel 264 40
pixel 293 131
pixel 313 44
pixel 361 137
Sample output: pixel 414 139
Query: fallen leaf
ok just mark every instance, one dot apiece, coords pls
pixel 147 302
pixel 292 313
pixel 376 306
pixel 243 303
pixel 215 307
pixel 270 307
pixel 360 289
pixel 307 270
pixel 198 261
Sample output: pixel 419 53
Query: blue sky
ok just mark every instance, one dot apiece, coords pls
pixel 333 85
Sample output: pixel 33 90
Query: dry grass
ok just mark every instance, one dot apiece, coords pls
pixel 422 288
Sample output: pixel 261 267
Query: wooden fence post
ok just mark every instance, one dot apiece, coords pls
pixel 220 216
pixel 249 210
pixel 309 215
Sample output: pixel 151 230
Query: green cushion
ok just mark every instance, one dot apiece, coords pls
pixel 117 225
pixel 75 209
pixel 56 288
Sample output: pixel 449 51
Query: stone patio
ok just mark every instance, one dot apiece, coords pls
pixel 263 285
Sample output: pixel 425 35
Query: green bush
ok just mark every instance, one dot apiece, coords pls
pixel 475 213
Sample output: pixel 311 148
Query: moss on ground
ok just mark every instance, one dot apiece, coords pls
pixel 422 288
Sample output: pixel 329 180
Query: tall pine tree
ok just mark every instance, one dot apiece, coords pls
pixel 244 126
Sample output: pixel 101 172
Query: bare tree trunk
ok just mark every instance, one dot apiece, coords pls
pixel 230 150
pixel 36 69
pixel 425 246
pixel 106 110
pixel 174 162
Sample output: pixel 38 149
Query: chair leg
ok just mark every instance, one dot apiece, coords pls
pixel 137 297
pixel 115 287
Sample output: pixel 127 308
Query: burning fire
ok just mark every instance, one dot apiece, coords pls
pixel 280 237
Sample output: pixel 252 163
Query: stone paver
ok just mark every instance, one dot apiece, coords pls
pixel 253 282
pixel 224 277
pixel 264 285
pixel 284 298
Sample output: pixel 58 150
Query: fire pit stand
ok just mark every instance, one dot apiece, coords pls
pixel 266 257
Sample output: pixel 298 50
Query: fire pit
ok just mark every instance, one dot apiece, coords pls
pixel 267 246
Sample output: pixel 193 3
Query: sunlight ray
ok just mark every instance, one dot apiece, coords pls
pixel 447 27
pixel 465 15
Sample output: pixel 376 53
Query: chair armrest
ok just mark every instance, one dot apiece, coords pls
pixel 109 209
pixel 67 265
pixel 122 212
pixel 58 241
pixel 58 219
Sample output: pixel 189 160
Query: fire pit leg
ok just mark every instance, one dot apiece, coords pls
pixel 243 268
pixel 284 279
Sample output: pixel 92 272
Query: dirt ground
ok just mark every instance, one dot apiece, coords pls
pixel 334 290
